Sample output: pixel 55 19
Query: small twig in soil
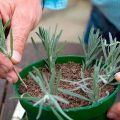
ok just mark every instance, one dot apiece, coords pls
pixel 19 77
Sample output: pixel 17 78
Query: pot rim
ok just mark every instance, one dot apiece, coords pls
pixel 94 105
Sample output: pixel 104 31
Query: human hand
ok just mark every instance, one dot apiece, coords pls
pixel 24 16
pixel 114 112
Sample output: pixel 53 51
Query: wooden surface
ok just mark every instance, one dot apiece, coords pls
pixel 8 105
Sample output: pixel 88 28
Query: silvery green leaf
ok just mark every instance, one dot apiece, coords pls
pixel 39 102
pixel 39 82
pixel 60 99
pixel 11 43
pixel 2 36
pixel 57 106
pixel 56 114
pixel 40 111
pixel 74 94
pixel 7 24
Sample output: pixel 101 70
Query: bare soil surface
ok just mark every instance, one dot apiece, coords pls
pixel 70 71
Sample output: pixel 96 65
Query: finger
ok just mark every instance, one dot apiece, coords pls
pixel 5 65
pixel 114 112
pixel 21 29
pixel 2 75
pixel 4 11
pixel 3 71
pixel 12 77
pixel 4 68
pixel 117 76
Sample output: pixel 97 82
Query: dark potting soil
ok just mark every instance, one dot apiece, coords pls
pixel 70 71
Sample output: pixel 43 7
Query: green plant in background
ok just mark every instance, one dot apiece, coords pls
pixel 3 47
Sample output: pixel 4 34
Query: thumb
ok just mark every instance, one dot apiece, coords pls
pixel 20 28
pixel 117 76
pixel 114 112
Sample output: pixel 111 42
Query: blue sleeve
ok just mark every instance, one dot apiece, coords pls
pixel 55 4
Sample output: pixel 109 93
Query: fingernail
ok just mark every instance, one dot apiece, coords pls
pixel 111 115
pixel 16 57
pixel 9 79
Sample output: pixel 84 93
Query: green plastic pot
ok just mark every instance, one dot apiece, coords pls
pixel 96 111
